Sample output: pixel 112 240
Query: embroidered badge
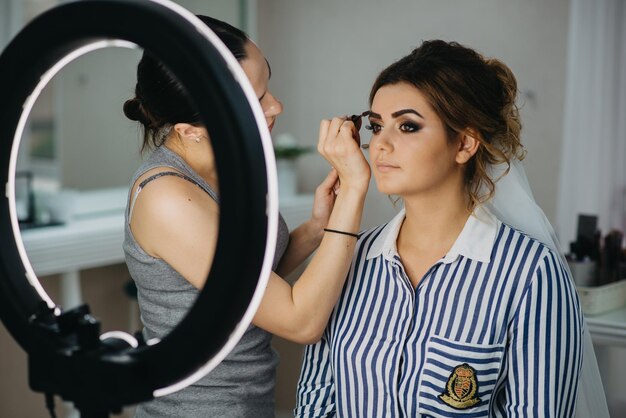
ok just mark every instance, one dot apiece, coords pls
pixel 461 388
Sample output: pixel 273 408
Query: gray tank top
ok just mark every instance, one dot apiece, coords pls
pixel 243 384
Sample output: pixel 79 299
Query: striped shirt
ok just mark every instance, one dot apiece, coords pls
pixel 493 329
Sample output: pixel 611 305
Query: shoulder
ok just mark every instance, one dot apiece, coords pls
pixel 524 260
pixel 539 266
pixel 534 277
pixel 513 242
pixel 169 197
pixel 171 208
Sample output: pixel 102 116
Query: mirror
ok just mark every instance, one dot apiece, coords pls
pixel 74 163
pixel 77 138
pixel 73 224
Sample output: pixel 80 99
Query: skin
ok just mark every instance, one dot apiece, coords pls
pixel 413 158
pixel 176 221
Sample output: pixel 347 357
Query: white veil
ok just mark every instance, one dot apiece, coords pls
pixel 513 203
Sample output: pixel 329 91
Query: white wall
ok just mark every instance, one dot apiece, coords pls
pixel 98 146
pixel 325 55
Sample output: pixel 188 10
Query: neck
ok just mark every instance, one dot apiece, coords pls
pixel 433 222
pixel 197 157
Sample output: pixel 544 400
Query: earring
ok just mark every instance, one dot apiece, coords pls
pixel 197 139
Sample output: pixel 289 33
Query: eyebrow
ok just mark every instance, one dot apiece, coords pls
pixel 397 114
pixel 269 67
pixel 269 77
pixel 405 111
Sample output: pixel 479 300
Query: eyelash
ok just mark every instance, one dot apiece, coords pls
pixel 406 127
pixel 375 128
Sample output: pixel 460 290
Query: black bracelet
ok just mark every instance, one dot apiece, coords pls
pixel 341 232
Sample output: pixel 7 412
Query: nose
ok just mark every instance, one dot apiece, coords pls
pixel 272 107
pixel 381 142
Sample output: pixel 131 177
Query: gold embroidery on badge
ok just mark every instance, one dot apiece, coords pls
pixel 461 388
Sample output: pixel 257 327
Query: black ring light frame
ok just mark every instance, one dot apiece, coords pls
pixel 67 355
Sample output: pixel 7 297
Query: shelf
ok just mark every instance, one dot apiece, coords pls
pixel 79 245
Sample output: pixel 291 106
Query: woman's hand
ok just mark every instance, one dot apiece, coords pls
pixel 323 202
pixel 339 144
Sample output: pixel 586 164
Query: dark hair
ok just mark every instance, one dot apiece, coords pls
pixel 160 99
pixel 468 92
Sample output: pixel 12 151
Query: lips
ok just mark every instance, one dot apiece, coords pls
pixel 270 126
pixel 384 166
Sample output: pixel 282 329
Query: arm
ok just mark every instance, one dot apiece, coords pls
pixel 545 351
pixel 316 389
pixel 177 222
pixel 300 313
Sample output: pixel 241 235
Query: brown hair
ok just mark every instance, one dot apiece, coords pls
pixel 469 93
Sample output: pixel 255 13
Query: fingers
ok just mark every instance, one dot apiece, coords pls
pixel 336 127
pixel 339 145
pixel 329 184
pixel 337 186
pixel 330 179
pixel 331 130
pixel 321 140
pixel 348 129
pixel 328 131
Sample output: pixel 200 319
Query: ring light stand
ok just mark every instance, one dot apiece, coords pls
pixel 67 355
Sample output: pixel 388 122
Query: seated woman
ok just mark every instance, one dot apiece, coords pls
pixel 447 311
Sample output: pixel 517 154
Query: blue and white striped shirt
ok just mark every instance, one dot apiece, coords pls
pixel 493 329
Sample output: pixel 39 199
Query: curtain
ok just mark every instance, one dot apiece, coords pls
pixel 593 160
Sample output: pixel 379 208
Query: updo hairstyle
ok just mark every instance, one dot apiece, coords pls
pixel 160 99
pixel 469 93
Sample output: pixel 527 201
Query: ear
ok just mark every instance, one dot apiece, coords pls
pixel 468 145
pixel 187 130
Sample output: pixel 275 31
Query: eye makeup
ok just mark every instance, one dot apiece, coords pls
pixel 408 126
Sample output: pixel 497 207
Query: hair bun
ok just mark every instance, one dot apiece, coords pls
pixel 509 139
pixel 134 111
pixel 507 79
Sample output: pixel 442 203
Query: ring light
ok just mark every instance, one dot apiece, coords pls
pixel 67 355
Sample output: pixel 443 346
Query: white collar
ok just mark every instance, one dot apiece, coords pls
pixel 475 241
